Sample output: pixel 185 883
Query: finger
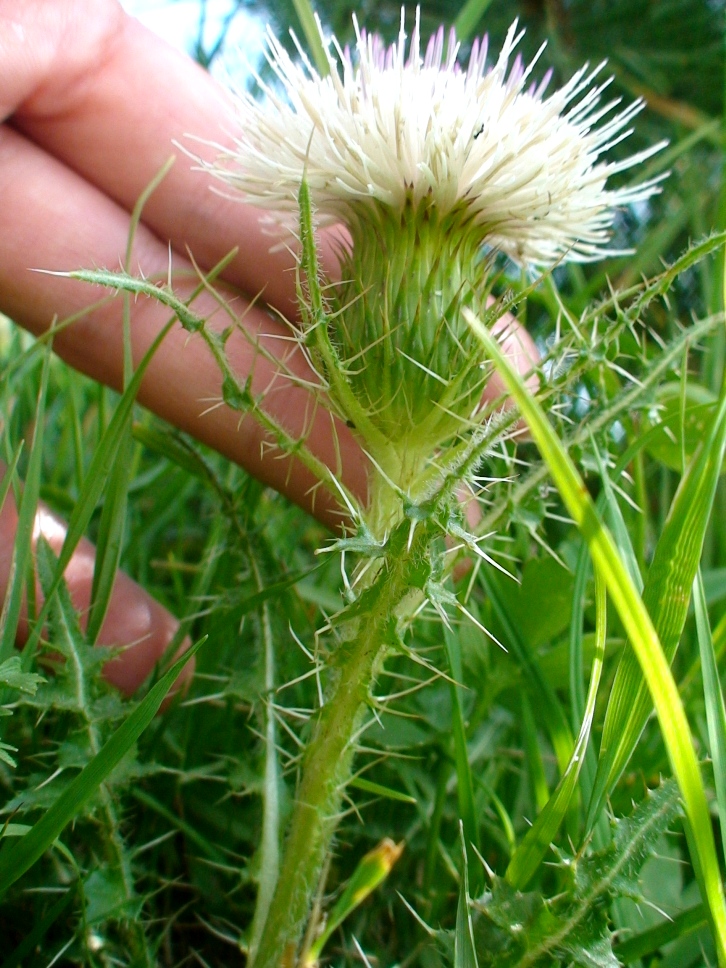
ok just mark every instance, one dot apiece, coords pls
pixel 519 346
pixel 135 622
pixel 41 200
pixel 108 97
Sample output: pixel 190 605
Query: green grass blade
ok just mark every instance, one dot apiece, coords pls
pixel 269 852
pixel 23 546
pixel 533 755
pixel 713 695
pixel 615 521
pixel 190 833
pixel 661 934
pixel 20 857
pixel 464 949
pixel 169 444
pixel 469 17
pixel 640 630
pixel 10 471
pixel 554 718
pixel 666 597
pixel 33 941
pixel 306 16
pixel 536 843
pixel 113 517
pixel 378 790
pixel 464 784
pixel 98 471
pixel 110 534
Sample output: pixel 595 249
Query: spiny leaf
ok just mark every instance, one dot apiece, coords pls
pixel 518 930
pixel 12 676
pixel 17 859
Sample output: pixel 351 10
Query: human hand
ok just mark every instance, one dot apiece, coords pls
pixel 92 103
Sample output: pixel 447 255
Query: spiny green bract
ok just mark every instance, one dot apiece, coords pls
pixel 398 326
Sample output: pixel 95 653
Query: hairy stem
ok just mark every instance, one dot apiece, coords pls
pixel 328 759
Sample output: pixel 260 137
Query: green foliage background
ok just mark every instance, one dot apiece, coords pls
pixel 161 865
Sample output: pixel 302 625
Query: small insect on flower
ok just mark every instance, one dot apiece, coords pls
pixel 429 164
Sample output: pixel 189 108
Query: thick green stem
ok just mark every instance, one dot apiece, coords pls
pixel 328 759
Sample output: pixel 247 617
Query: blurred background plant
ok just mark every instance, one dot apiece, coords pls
pixel 162 862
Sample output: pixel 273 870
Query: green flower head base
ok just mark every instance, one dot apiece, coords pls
pixel 428 164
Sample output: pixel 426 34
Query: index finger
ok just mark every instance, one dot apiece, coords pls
pixel 99 91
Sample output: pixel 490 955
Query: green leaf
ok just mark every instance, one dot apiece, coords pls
pixel 678 429
pixel 106 897
pixel 550 709
pixel 517 929
pixel 662 934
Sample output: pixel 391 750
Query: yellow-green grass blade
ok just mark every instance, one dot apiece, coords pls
pixel 13 598
pixel 113 516
pixel 666 597
pixel 533 755
pixel 111 529
pixel 378 790
pixel 15 860
pixel 640 630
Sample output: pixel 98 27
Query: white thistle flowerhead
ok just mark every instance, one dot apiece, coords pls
pixel 428 164
pixel 390 127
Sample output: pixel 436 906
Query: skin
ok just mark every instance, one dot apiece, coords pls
pixel 91 102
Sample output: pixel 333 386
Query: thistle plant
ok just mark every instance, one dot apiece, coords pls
pixel 432 168
pixel 358 773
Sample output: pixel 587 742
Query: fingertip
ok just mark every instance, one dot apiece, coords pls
pixel 144 630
